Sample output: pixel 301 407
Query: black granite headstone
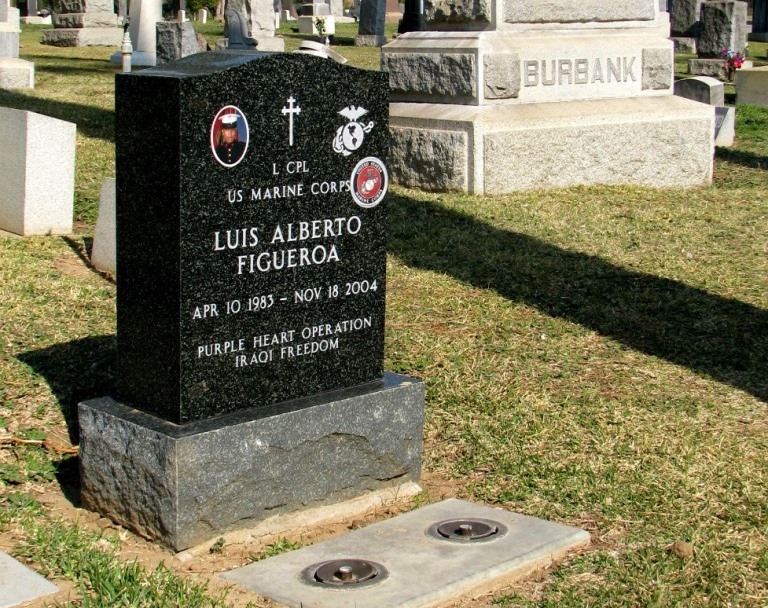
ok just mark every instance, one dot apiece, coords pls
pixel 250 231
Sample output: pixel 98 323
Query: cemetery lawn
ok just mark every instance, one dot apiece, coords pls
pixel 596 356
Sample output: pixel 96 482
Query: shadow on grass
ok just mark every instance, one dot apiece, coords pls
pixel 740 157
pixel 718 337
pixel 76 371
pixel 91 121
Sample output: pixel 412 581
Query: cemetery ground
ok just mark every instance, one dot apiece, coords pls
pixel 596 356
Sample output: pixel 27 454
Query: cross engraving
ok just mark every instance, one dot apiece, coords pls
pixel 290 110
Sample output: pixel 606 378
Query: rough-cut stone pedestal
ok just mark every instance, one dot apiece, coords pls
pixel 184 484
pixel 507 95
pixel 83 23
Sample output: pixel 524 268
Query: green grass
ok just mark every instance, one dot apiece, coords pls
pixel 592 355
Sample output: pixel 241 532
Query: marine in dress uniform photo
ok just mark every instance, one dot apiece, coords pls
pixel 229 136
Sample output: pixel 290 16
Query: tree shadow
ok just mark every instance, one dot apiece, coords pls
pixel 742 157
pixel 92 121
pixel 77 370
pixel 722 338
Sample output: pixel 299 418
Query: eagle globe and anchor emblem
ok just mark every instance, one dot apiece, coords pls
pixel 349 137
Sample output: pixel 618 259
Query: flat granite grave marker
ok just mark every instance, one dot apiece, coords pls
pixel 250 298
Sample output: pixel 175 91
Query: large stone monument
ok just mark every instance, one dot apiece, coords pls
pixel 15 73
pixel 83 23
pixel 510 94
pixel 251 270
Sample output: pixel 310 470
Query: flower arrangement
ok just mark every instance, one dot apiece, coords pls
pixel 733 60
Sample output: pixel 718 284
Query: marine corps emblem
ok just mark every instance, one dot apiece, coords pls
pixel 349 137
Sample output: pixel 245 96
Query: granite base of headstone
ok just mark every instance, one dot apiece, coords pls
pixel 189 483
pixel 250 299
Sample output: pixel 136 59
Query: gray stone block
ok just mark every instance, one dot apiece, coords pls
pixel 82 6
pixel 186 484
pixel 429 159
pixel 437 75
pixel 97 36
pixel 175 40
pixel 79 20
pixel 568 11
pixel 657 69
pixel 702 88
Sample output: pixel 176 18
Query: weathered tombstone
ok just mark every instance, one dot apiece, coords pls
pixel 471 115
pixel 723 26
pixel 702 88
pixel 37 180
pixel 83 23
pixel 370 30
pixel 250 299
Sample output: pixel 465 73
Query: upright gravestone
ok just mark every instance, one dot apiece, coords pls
pixel 759 21
pixel 370 30
pixel 250 306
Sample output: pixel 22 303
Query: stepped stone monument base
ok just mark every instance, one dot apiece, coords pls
pixel 512 95
pixel 83 23
pixel 664 141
